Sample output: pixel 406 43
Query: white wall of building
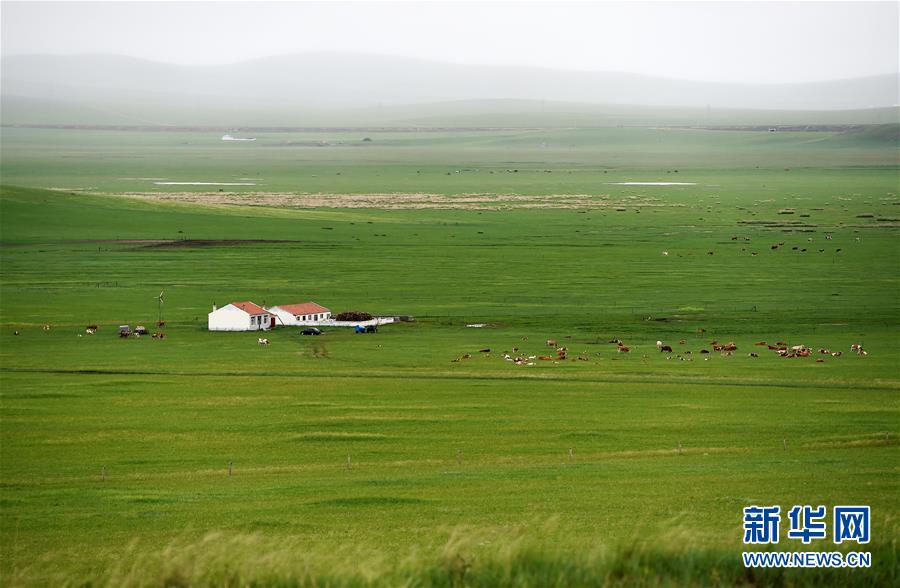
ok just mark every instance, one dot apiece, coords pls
pixel 289 319
pixel 232 318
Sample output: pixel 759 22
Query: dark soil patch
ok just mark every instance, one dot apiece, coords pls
pixel 212 242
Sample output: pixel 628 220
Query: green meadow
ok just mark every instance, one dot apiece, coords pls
pixel 410 457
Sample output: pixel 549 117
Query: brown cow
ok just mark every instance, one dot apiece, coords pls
pixel 551 343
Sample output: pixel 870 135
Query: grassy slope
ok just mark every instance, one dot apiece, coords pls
pixel 164 421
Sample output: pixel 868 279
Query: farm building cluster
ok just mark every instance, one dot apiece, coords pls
pixel 248 316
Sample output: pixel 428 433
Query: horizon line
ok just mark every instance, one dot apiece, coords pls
pixel 443 62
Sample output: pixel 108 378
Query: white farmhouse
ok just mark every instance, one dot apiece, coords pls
pixel 241 316
pixel 306 313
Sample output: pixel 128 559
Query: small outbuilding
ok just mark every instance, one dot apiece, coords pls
pixel 241 316
pixel 305 313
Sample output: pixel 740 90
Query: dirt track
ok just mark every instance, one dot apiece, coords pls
pixel 396 201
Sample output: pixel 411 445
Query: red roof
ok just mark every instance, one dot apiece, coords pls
pixel 304 308
pixel 250 308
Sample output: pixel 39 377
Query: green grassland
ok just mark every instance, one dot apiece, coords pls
pixel 114 454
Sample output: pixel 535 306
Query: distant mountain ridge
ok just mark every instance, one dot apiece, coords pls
pixel 330 81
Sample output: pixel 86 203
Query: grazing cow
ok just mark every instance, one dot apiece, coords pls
pixel 829 237
pixel 855 347
pixel 824 351
pixel 161 324
pixel 753 354
pixel 681 341
pixel 125 334
pixel 16 333
pixel 262 341
pixel 760 343
pixel 774 246
pixel 90 330
pixel 46 327
pixel 467 356
pixel 781 344
pixel 623 349
pixel 158 335
pixel 704 351
pixel 665 253
pixel 837 353
pixel 486 350
pixel 665 349
pixel 551 343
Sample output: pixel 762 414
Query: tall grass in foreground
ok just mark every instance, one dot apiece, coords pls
pixel 470 557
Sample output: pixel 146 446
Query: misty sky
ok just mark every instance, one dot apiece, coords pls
pixel 716 41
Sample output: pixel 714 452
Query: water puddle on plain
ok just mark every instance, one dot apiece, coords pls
pixel 204 183
pixel 653 183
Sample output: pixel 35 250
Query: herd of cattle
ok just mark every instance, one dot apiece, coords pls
pixel 124 331
pixel 561 353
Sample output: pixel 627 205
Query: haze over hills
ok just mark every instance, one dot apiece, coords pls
pixel 323 88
